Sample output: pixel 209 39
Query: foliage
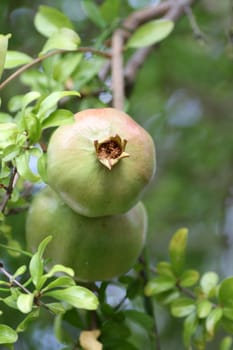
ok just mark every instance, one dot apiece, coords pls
pixel 195 157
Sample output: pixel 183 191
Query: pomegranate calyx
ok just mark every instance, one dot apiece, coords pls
pixel 111 150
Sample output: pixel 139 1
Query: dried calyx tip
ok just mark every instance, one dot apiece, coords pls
pixel 111 150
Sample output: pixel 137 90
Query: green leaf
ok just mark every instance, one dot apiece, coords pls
pixel 36 264
pixel 164 268
pixel 225 292
pixel 140 318
pixel 226 343
pixel 87 70
pixel 76 296
pixel 150 33
pixel 7 335
pixel 62 282
pixel 48 105
pixel 208 282
pixel 227 324
pixel 27 320
pixel 189 278
pixel 190 325
pixel 177 250
pixel 3 51
pixel 204 308
pixel 93 12
pixel 5 117
pixel 20 271
pixel 64 68
pixel 57 308
pixel 33 127
pixel 22 165
pixel 110 10
pixel 159 284
pixel 42 166
pixel 64 39
pixel 213 318
pixel 49 20
pixel 25 302
pixel 58 118
pixel 182 307
pixel 59 330
pixel 60 268
pixel 168 297
pixel 8 132
pixel 228 313
pixel 29 97
pixel 42 246
pixel 15 103
pixel 36 267
pixel 15 59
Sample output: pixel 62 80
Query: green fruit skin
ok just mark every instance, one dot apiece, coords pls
pixel 96 248
pixel 85 184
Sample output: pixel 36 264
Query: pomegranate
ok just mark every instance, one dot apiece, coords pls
pixel 100 164
pixel 96 248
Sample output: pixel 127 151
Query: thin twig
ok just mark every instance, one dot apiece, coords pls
pixel 117 69
pixel 12 182
pixel 193 23
pixel 14 282
pixel 50 54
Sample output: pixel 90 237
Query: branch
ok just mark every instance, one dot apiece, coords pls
pixel 172 10
pixel 50 54
pixel 168 9
pixel 9 189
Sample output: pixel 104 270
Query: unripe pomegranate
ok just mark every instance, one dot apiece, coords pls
pixel 101 164
pixel 96 248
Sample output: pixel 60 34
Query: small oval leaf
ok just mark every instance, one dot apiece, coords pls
pixel 64 39
pixel 208 282
pixel 189 278
pixel 150 33
pixel 213 318
pixel 225 292
pixel 25 302
pixel 7 335
pixel 177 249
pixel 49 20
pixel 182 307
pixel 15 59
pixel 76 296
pixel 203 308
pixel 159 284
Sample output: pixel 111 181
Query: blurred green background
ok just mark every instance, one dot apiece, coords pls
pixel 183 95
